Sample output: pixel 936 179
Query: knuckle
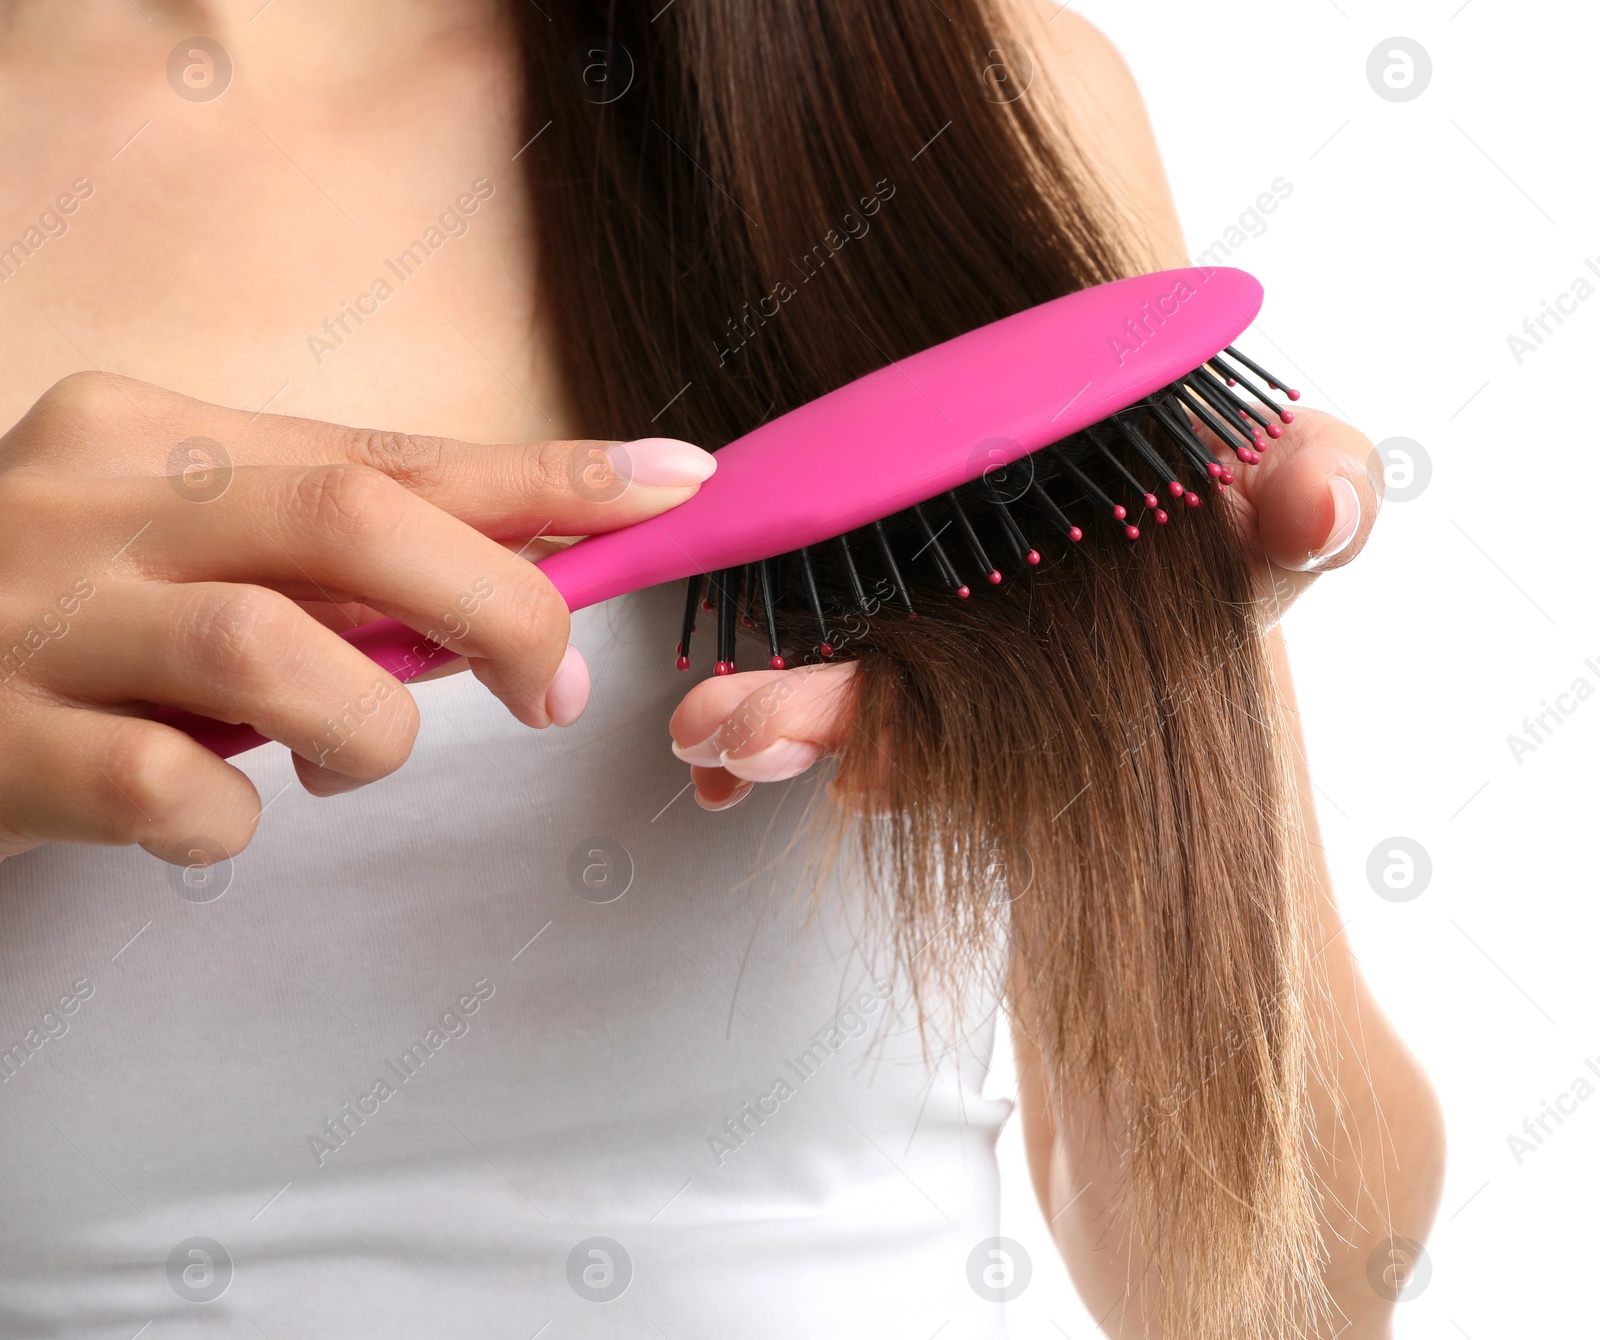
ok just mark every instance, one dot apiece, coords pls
pixel 412 460
pixel 243 636
pixel 149 767
pixel 564 467
pixel 87 396
pixel 351 502
pixel 533 615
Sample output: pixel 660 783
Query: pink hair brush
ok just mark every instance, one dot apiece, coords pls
pixel 925 444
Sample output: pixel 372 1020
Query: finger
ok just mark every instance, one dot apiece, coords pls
pixel 709 703
pixel 1314 498
pixel 519 489
pixel 522 488
pixel 782 724
pixel 242 653
pixel 115 780
pixel 348 533
pixel 534 489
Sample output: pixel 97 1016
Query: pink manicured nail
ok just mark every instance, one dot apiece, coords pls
pixel 776 763
pixel 662 462
pixel 703 755
pixel 727 804
pixel 1346 518
pixel 568 693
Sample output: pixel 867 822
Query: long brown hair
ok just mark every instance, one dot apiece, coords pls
pixel 743 206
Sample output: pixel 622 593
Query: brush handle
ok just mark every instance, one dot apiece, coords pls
pixel 897 436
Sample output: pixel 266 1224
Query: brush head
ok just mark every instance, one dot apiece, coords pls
pixel 955 532
pixel 1100 470
pixel 924 425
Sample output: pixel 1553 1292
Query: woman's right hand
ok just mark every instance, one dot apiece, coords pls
pixel 158 550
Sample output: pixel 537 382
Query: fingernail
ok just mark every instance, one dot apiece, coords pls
pixel 661 462
pixel 776 763
pixel 729 803
pixel 703 755
pixel 568 693
pixel 1346 518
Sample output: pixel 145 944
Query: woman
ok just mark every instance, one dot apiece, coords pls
pixel 519 1038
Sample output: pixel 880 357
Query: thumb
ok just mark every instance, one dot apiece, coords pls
pixel 1314 497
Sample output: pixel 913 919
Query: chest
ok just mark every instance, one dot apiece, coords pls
pixel 360 264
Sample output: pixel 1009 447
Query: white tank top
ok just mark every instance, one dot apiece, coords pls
pixel 518 1042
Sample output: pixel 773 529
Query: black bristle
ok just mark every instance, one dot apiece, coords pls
pixel 808 577
pixel 857 590
pixel 690 609
pixel 1232 438
pixel 1241 406
pixel 897 583
pixel 747 615
pixel 1171 416
pixel 974 545
pixel 769 609
pixel 726 583
pixel 1115 462
pixel 1141 446
pixel 1223 401
pixel 1261 372
pixel 1251 387
pixel 1018 542
pixel 1118 512
pixel 1057 517
pixel 941 560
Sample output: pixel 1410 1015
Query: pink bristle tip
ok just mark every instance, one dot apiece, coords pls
pixel 1120 512
pixel 1175 489
pixel 911 614
pixel 1132 532
pixel 777 663
pixel 1287 416
pixel 1033 558
pixel 1161 517
pixel 1193 499
pixel 1075 535
pixel 683 662
pixel 963 591
pixel 706 605
pixel 1291 393
pixel 1226 477
pixel 1274 431
pixel 723 668
pixel 994 579
pixel 1214 470
pixel 826 649
pixel 1151 501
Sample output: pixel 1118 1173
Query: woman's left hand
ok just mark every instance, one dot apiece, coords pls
pixel 1306 509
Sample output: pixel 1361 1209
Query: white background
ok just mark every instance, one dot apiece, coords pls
pixel 1418 237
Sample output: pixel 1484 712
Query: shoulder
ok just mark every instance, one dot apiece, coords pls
pixel 1107 120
